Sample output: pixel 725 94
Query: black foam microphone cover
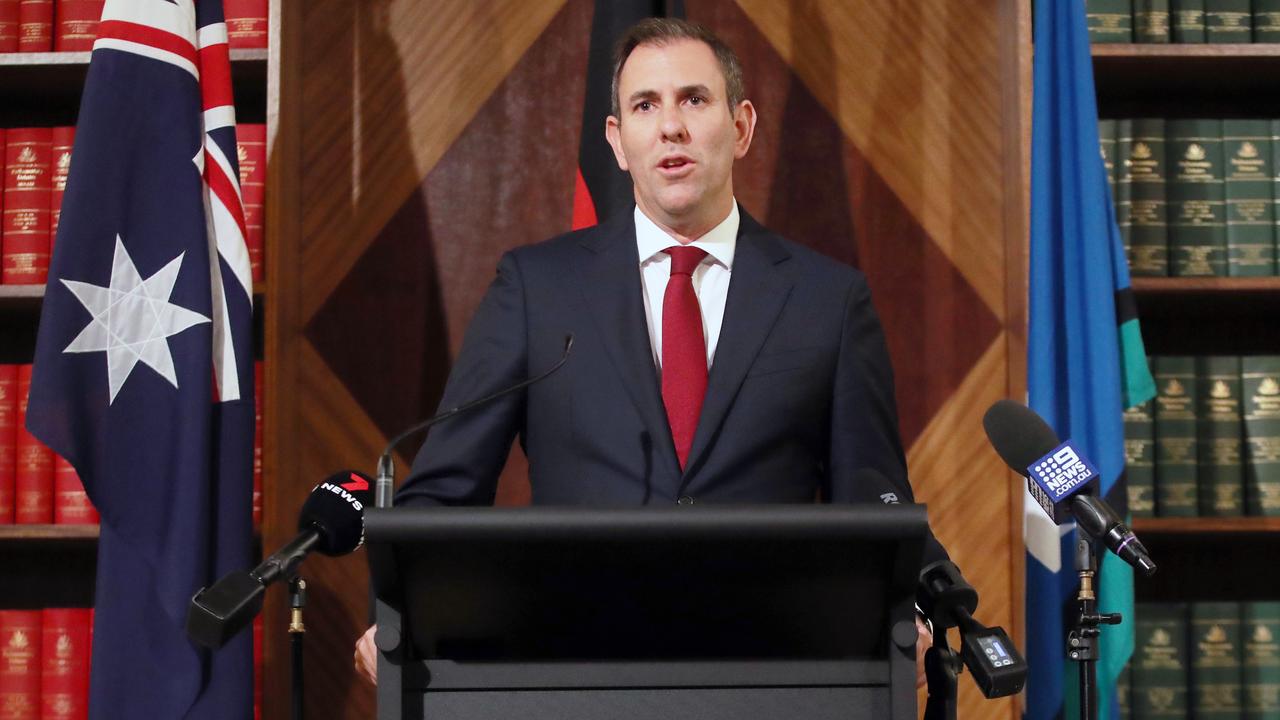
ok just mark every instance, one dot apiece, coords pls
pixel 335 509
pixel 1018 434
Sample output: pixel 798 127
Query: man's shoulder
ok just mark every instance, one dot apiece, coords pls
pixel 804 261
pixel 555 248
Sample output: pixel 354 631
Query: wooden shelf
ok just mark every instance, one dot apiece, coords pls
pixel 56 533
pixel 1203 525
pixel 1209 315
pixel 40 89
pixel 1187 80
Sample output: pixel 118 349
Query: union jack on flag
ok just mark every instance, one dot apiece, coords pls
pixel 144 360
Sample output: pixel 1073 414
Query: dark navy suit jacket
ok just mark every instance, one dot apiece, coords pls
pixel 799 395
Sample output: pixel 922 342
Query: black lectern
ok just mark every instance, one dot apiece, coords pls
pixel 763 612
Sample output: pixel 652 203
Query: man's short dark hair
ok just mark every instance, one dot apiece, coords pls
pixel 660 32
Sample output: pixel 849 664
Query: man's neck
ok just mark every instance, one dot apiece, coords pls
pixel 688 231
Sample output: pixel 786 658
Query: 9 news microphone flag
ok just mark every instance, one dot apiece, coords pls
pixel 144 360
pixel 1085 359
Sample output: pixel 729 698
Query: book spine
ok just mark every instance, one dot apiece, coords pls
pixel 1107 148
pixel 77 25
pixel 1266 21
pixel 1140 460
pixel 1124 693
pixel 8 26
pixel 1275 192
pixel 1147 174
pixel 1197 208
pixel 1218 414
pixel 71 504
pixel 251 151
pixel 1110 21
pixel 257 443
pixel 33 481
pixel 1160 662
pixel 1216 661
pixel 1228 21
pixel 1251 219
pixel 20 663
pixel 246 23
pixel 24 249
pixel 8 440
pixel 1260 633
pixel 35 25
pixel 1151 21
pixel 1175 421
pixel 61 141
pixel 64 666
pixel 1260 386
pixel 1188 21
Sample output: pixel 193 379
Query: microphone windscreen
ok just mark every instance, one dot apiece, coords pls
pixel 1018 434
pixel 336 509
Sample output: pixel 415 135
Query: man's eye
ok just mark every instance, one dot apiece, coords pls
pixel 645 106
pixel 697 100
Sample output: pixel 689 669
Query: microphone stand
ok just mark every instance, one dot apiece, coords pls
pixel 1082 641
pixel 384 482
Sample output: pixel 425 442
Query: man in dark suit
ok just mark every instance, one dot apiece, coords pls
pixel 713 361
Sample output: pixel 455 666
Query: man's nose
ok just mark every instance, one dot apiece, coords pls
pixel 672 126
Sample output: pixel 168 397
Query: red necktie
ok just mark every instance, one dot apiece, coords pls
pixel 684 350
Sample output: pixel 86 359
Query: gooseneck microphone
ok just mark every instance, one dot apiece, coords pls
pixel 331 522
pixel 386 467
pixel 1060 478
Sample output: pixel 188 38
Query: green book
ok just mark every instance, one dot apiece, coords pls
pixel 1197 207
pixel 1175 422
pixel 1216 661
pixel 1275 190
pixel 1187 21
pixel 1107 148
pixel 1110 21
pixel 1260 632
pixel 1228 21
pixel 1266 21
pixel 1140 459
pixel 1218 430
pixel 1251 217
pixel 1160 662
pixel 1124 184
pixel 1147 174
pixel 1260 381
pixel 1151 21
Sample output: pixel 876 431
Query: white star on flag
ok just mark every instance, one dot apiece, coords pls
pixel 132 319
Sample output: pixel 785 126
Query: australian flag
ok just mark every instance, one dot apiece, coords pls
pixel 144 361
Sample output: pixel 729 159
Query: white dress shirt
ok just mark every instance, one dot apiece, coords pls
pixel 710 278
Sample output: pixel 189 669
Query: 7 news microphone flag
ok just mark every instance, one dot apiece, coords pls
pixel 1085 359
pixel 601 187
pixel 144 360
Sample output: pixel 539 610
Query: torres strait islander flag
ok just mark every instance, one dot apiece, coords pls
pixel 602 188
pixel 144 360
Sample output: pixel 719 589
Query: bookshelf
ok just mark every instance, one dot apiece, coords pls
pixel 1204 558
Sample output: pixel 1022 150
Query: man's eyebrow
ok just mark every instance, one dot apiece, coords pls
pixel 688 90
pixel 639 95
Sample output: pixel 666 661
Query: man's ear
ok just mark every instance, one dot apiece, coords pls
pixel 613 133
pixel 744 125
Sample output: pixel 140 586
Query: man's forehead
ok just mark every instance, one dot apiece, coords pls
pixel 671 65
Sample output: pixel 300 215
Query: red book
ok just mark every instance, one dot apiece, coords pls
pixel 64 664
pixel 8 439
pixel 33 481
pixel 77 25
pixel 246 23
pixel 257 443
pixel 8 26
pixel 28 182
pixel 35 25
pixel 251 150
pixel 20 664
pixel 71 504
pixel 61 140
pixel 257 668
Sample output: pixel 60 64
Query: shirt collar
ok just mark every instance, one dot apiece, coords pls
pixel 719 242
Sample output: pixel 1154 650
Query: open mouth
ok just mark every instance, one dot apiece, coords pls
pixel 675 165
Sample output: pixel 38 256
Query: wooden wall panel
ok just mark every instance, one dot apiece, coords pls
pixel 418 141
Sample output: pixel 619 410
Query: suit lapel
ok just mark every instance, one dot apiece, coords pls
pixel 609 270
pixel 757 292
